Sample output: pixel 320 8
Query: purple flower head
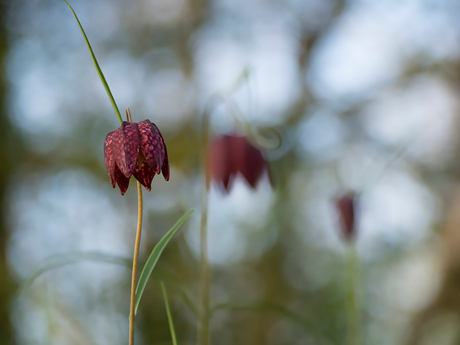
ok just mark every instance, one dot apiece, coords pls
pixel 229 155
pixel 135 149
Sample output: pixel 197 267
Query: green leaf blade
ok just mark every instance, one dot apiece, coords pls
pixel 155 255
pixel 96 65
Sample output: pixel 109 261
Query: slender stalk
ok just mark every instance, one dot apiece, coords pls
pixel 352 298
pixel 168 312
pixel 132 314
pixel 205 268
pixel 135 257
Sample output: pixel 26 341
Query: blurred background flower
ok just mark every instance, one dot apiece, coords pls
pixel 365 95
pixel 232 156
pixel 346 211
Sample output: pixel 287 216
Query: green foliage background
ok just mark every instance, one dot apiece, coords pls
pixel 284 283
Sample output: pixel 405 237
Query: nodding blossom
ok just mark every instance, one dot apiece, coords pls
pixel 135 149
pixel 229 155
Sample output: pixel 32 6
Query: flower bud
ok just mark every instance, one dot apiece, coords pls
pixel 346 207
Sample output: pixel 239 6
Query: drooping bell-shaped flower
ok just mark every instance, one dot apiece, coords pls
pixel 135 149
pixel 229 155
pixel 346 208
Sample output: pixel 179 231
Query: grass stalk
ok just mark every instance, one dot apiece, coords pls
pixel 168 312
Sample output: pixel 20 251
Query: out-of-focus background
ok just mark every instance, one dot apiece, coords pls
pixel 365 95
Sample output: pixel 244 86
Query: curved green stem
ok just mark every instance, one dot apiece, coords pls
pixel 98 69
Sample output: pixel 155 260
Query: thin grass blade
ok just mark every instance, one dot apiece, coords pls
pixel 155 255
pixel 96 64
pixel 308 325
pixel 71 258
pixel 168 311
pixel 178 289
pixel 60 260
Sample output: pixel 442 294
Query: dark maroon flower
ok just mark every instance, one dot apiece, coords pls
pixel 346 204
pixel 229 155
pixel 135 149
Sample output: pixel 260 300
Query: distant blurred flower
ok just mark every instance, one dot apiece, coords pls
pixel 135 149
pixel 229 155
pixel 346 204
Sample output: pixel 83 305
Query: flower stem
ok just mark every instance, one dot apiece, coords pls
pixel 205 268
pixel 132 311
pixel 205 278
pixel 135 257
pixel 352 297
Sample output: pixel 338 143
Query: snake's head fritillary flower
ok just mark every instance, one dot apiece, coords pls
pixel 346 208
pixel 229 155
pixel 135 149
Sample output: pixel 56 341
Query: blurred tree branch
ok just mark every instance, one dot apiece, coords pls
pixel 7 154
